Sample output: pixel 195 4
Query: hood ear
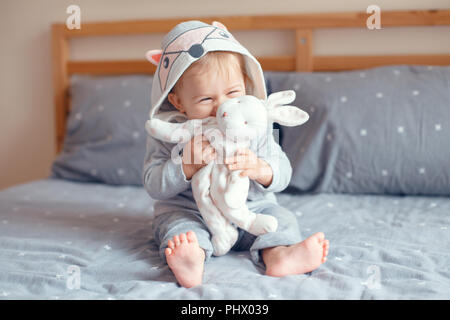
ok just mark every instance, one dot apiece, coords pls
pixel 154 56
pixel 219 25
pixel 285 115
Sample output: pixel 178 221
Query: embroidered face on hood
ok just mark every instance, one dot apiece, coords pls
pixel 186 43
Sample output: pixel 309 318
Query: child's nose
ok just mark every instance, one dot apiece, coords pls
pixel 214 109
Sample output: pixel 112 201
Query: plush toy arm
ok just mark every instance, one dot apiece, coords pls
pixel 167 131
pixel 175 132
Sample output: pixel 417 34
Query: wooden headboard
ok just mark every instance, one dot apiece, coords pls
pixel 303 26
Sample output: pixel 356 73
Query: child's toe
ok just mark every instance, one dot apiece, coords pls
pixel 326 245
pixel 191 237
pixel 320 236
pixel 176 240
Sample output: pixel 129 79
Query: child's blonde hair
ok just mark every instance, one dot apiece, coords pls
pixel 223 62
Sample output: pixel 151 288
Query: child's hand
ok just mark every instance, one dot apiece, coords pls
pixel 196 154
pixel 251 166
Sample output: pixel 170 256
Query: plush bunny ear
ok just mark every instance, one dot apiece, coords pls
pixel 219 25
pixel 285 115
pixel 280 98
pixel 154 56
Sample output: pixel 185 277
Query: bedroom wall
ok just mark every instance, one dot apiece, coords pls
pixel 26 97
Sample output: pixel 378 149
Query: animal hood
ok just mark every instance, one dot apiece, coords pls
pixel 186 43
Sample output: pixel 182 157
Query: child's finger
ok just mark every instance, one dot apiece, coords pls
pixel 242 151
pixel 235 159
pixel 209 155
pixel 208 159
pixel 206 144
pixel 198 140
pixel 238 166
pixel 208 150
pixel 244 173
pixel 228 160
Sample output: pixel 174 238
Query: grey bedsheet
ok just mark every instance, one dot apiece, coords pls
pixel 66 240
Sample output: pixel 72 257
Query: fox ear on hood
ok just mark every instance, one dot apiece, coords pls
pixel 154 56
pixel 219 25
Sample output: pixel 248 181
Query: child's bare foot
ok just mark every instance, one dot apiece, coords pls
pixel 299 258
pixel 186 259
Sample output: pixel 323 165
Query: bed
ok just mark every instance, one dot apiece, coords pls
pixel 370 170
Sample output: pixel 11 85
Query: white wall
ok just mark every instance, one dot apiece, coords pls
pixel 26 103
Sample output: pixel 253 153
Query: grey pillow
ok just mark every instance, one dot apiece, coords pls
pixel 384 130
pixel 106 139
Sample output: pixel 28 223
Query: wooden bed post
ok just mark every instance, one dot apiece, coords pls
pixel 60 58
pixel 303 50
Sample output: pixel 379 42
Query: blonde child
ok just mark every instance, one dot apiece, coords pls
pixel 199 68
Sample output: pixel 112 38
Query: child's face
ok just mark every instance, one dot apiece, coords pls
pixel 202 93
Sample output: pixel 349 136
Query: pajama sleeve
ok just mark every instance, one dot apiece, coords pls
pixel 163 178
pixel 270 151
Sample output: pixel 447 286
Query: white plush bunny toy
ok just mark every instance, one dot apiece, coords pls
pixel 221 194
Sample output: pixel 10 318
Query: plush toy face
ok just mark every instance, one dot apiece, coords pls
pixel 243 117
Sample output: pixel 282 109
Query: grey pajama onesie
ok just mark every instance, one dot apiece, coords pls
pixel 176 211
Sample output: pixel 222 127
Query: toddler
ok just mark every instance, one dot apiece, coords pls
pixel 200 67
